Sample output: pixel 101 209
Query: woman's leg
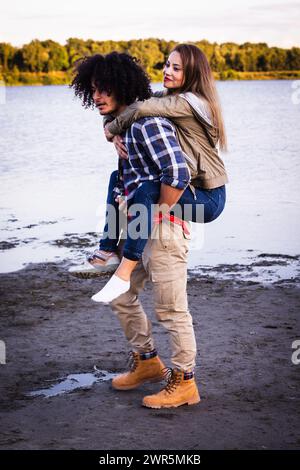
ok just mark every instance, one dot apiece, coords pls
pixel 141 220
pixel 188 208
pixel 139 228
pixel 111 231
pixel 147 194
pixel 189 205
pixel 106 258
pixel 138 232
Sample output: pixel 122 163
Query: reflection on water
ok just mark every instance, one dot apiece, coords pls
pixel 55 164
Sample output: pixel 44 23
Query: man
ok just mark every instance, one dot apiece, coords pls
pixel 111 83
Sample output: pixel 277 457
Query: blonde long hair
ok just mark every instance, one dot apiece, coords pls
pixel 198 78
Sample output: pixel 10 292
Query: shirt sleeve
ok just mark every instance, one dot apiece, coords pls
pixel 159 141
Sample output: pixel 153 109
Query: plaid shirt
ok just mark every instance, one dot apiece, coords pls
pixel 153 154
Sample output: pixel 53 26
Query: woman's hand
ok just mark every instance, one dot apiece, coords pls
pixel 122 202
pixel 120 147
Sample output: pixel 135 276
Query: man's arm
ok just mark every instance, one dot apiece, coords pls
pixel 159 141
pixel 169 196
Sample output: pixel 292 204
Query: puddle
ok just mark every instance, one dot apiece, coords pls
pixel 74 382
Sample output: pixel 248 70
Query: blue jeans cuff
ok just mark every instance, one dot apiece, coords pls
pixel 133 256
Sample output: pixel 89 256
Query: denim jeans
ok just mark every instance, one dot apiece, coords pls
pixel 212 201
pixel 110 242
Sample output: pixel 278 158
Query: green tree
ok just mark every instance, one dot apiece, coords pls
pixel 147 51
pixel 57 56
pixel 35 57
pixel 76 48
pixel 293 59
pixel 262 63
pixel 7 53
pixel 217 61
pixel 239 62
pixel 227 59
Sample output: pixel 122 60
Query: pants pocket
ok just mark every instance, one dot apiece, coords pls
pixel 164 292
pixel 169 294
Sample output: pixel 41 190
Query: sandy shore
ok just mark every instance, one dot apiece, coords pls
pixel 248 384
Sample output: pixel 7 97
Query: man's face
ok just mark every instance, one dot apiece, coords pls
pixel 105 102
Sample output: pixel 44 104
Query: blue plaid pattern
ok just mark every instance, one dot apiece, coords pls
pixel 148 355
pixel 153 154
pixel 188 375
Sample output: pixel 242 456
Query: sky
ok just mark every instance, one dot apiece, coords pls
pixel 272 21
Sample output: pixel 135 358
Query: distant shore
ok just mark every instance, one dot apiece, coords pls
pixel 64 78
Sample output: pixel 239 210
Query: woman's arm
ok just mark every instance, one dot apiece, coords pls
pixel 159 93
pixel 170 106
pixel 106 120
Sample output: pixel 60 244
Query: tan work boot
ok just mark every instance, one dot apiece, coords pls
pixel 141 371
pixel 178 391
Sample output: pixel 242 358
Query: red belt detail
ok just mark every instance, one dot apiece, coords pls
pixel 175 220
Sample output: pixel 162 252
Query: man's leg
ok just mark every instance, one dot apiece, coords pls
pixel 145 364
pixel 165 259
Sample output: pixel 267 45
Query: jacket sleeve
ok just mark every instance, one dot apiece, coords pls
pixel 170 106
pixel 107 119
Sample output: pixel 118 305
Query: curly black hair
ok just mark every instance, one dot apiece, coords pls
pixel 116 73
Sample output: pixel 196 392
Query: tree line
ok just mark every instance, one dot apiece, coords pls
pixel 50 60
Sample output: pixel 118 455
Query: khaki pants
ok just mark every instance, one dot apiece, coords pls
pixel 164 262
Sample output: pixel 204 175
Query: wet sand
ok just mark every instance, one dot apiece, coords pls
pixel 250 388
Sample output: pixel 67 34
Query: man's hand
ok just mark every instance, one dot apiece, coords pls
pixel 120 147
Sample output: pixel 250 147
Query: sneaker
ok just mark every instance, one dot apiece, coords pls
pixel 100 262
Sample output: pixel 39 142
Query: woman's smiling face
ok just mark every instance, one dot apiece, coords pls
pixel 173 71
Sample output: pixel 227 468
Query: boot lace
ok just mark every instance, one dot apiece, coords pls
pixel 133 360
pixel 173 378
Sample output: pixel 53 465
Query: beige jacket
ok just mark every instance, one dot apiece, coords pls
pixel 196 134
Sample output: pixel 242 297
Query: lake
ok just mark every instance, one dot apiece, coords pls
pixel 55 164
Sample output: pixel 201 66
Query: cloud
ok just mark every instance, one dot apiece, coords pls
pixel 274 23
pixel 288 7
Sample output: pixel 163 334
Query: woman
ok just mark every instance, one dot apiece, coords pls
pixel 191 102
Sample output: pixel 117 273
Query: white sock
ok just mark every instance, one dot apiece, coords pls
pixel 115 287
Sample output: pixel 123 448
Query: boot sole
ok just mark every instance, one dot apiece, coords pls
pixel 192 401
pixel 131 387
pixel 92 274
